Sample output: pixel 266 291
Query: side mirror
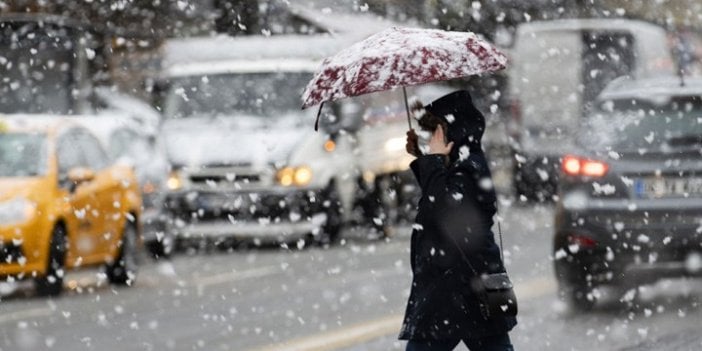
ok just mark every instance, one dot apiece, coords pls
pixel 79 175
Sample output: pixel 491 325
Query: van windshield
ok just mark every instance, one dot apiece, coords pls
pixel 268 94
pixel 633 125
pixel 22 154
pixel 36 68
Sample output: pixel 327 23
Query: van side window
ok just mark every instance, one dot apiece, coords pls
pixel 125 142
pixel 69 153
pixel 95 155
pixel 607 56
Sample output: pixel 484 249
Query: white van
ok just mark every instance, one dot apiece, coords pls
pixel 246 161
pixel 557 70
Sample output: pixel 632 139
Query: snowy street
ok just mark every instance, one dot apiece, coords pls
pixel 348 297
pixel 299 175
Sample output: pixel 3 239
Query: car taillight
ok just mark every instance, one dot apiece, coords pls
pixel 578 166
pixel 582 241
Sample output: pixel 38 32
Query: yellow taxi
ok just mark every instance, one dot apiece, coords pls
pixel 63 205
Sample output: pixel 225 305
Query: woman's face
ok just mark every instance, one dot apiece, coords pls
pixel 424 136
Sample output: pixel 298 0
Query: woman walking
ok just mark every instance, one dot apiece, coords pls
pixel 452 242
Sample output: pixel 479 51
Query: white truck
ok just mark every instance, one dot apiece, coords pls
pixel 246 162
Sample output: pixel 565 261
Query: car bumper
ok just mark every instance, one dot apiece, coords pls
pixel 635 240
pixel 273 215
pixel 265 232
pixel 21 252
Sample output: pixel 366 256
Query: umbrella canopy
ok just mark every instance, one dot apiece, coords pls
pixel 401 57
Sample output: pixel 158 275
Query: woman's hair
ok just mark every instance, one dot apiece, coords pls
pixel 427 121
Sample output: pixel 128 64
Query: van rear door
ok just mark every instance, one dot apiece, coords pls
pixel 608 55
pixel 547 82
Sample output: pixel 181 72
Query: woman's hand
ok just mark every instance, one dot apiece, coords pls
pixel 412 145
pixel 437 144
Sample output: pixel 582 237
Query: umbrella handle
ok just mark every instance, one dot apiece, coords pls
pixel 319 113
pixel 409 120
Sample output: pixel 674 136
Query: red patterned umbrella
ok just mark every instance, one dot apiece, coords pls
pixel 400 57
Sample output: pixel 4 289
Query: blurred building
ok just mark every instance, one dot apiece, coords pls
pixel 134 30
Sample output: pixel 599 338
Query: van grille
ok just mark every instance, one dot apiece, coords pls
pixel 230 178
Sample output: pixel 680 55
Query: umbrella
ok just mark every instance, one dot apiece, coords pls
pixel 400 57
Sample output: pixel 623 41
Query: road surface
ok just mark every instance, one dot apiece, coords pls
pixel 349 297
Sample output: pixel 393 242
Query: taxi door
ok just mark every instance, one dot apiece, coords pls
pixel 106 216
pixel 80 202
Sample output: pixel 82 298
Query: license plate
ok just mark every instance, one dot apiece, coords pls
pixel 659 187
pixel 223 202
pixel 211 202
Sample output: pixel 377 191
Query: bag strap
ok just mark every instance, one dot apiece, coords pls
pixel 465 258
pixel 463 255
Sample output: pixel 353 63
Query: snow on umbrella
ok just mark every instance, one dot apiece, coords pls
pixel 400 57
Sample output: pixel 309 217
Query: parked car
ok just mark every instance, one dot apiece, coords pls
pixel 63 205
pixel 133 138
pixel 128 143
pixel 557 70
pixel 110 99
pixel 631 193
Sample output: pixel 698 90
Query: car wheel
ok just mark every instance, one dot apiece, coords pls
pixel 124 269
pixel 522 188
pixel 51 284
pixel 331 231
pixel 386 195
pixel 163 246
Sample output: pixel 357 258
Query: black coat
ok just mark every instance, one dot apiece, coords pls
pixel 454 221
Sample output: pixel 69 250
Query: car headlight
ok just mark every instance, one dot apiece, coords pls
pixel 329 145
pixel 395 144
pixel 17 210
pixel 299 176
pixel 175 181
pixel 148 188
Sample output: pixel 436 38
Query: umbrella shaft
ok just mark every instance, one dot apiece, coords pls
pixel 409 120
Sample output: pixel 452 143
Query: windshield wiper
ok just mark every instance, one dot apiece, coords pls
pixel 685 140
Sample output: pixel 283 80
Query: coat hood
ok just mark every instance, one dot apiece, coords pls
pixel 466 124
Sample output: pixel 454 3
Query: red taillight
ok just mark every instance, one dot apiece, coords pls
pixel 582 241
pixel 577 166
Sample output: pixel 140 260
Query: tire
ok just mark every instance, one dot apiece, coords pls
pixel 331 231
pixel 123 270
pixel 533 190
pixel 163 248
pixel 387 205
pixel 522 187
pixel 51 284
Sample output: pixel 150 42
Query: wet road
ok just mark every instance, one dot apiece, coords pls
pixel 349 297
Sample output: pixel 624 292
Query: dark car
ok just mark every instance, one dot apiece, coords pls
pixel 630 207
